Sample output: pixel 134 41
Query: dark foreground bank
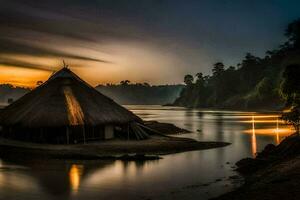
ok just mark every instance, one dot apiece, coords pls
pixel 113 149
pixel 274 174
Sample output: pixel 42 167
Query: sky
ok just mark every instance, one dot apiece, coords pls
pixel 154 41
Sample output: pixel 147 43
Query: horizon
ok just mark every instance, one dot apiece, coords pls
pixel 36 84
pixel 143 41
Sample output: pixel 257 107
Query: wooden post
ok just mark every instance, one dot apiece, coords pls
pixel 83 132
pixel 41 135
pixel 93 132
pixel 9 134
pixel 67 134
pixel 128 132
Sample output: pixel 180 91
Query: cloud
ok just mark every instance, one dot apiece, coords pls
pixel 11 47
pixel 174 37
pixel 16 63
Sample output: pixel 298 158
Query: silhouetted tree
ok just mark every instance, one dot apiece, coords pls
pixel 218 69
pixel 290 90
pixel 125 82
pixel 293 117
pixel 290 85
pixel 38 83
pixel 253 83
pixel 293 33
pixel 188 79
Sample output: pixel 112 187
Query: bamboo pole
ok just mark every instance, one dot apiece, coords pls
pixel 128 132
pixel 93 132
pixel 150 129
pixel 83 131
pixel 67 134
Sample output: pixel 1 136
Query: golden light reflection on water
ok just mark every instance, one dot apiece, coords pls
pixel 75 176
pixel 279 131
pixel 253 139
pixel 271 131
pixel 263 121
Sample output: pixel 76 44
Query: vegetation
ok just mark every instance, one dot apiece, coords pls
pixel 290 90
pixel 9 93
pixel 124 93
pixel 140 93
pixel 254 83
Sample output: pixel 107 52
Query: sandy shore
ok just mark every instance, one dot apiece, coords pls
pixel 157 145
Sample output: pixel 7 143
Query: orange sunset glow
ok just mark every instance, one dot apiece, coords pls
pixel 21 76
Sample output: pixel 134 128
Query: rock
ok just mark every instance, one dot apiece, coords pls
pixel 267 151
pixel 234 177
pixel 249 165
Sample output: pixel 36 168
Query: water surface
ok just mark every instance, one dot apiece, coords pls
pixel 189 175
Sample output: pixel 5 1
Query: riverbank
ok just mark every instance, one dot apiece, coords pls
pixel 165 128
pixel 112 149
pixel 274 174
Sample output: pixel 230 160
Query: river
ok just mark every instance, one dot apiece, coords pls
pixel 189 175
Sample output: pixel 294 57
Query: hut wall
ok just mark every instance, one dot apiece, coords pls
pixel 109 132
pixel 57 135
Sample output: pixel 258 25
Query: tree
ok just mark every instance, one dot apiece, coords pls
pixel 255 79
pixel 292 117
pixel 293 33
pixel 290 85
pixel 188 79
pixel 38 83
pixel 125 82
pixel 200 79
pixel 290 90
pixel 199 75
pixel 146 84
pixel 218 69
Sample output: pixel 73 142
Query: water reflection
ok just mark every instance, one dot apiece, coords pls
pixel 75 175
pixel 66 179
pixel 253 138
pixel 277 132
pixel 272 127
pixel 168 178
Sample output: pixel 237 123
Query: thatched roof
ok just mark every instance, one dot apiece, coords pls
pixel 64 100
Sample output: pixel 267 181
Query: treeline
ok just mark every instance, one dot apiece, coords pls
pixel 253 83
pixel 141 93
pixel 9 93
pixel 123 93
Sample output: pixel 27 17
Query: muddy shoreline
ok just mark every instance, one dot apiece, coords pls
pixel 273 175
pixel 114 149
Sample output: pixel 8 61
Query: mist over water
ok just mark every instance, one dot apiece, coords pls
pixel 189 175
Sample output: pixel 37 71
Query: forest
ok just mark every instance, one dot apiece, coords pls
pixel 254 83
pixel 123 93
pixel 9 93
pixel 141 93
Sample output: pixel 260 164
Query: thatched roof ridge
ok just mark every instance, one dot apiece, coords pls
pixel 61 101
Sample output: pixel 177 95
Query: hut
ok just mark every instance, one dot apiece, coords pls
pixel 67 110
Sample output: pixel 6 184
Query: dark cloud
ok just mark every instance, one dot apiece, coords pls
pixel 11 47
pixel 16 63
